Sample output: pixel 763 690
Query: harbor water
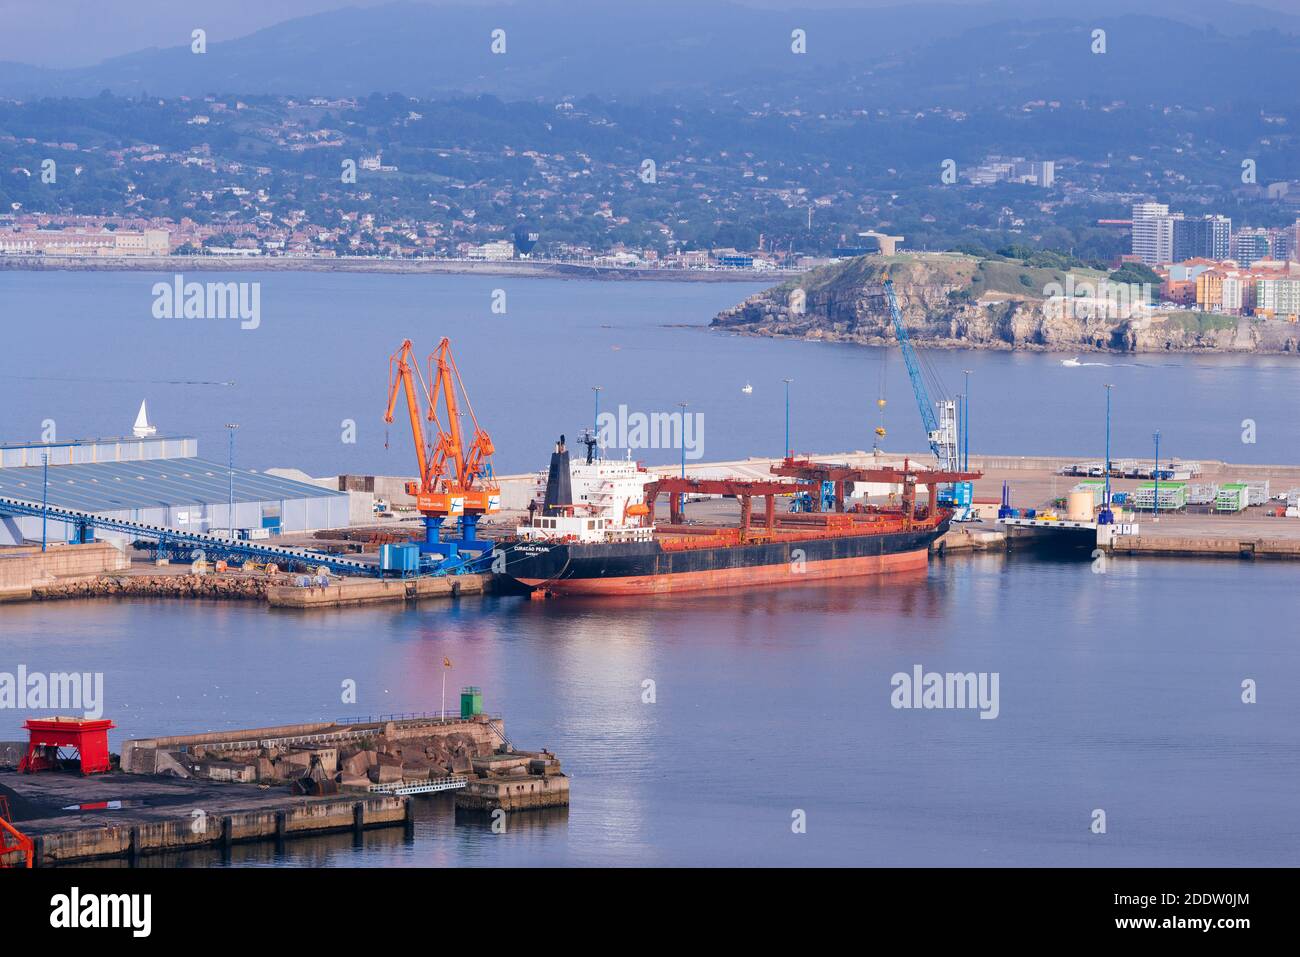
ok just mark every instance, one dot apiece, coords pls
pixel 308 385
pixel 704 728
pixel 1119 691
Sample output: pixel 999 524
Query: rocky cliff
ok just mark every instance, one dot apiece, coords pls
pixel 956 301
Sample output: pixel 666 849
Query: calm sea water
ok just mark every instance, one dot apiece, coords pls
pixel 1118 692
pixel 83 349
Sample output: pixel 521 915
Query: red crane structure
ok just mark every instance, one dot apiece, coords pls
pixel 456 479
pixel 15 846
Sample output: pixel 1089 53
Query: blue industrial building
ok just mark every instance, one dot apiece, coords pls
pixel 158 480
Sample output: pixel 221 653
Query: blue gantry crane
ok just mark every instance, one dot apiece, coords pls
pixel 940 428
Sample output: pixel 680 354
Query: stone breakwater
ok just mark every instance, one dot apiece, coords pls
pixel 155 586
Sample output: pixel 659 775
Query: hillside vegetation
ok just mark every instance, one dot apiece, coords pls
pixel 993 301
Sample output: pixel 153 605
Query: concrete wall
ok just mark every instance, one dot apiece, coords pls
pixel 128 449
pixel 514 793
pixel 359 591
pixel 302 817
pixel 23 568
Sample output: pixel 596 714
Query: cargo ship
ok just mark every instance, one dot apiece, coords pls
pixel 591 530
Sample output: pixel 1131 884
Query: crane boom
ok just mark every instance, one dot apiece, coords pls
pixel 402 371
pixel 942 438
pixel 455 481
pixel 468 462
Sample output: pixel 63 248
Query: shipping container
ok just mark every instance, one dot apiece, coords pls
pixel 1232 497
pixel 399 559
pixel 1257 492
pixel 1172 496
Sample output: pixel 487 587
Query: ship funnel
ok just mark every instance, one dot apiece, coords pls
pixel 559 482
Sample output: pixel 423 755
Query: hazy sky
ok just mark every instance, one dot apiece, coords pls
pixel 62 33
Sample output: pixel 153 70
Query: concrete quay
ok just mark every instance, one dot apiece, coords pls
pixel 71 818
pixel 26 570
pixel 1174 546
pixel 215 789
pixel 99 570
pixel 364 591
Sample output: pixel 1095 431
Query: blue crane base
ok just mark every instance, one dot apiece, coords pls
pixel 468 541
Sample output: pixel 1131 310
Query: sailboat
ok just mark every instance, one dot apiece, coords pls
pixel 748 389
pixel 142 428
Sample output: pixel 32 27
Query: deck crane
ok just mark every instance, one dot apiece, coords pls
pixel 456 480
pixel 940 430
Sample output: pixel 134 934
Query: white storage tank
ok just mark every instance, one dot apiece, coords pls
pixel 1078 506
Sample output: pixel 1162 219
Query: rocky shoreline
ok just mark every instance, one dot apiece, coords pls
pixel 154 586
pixel 846 303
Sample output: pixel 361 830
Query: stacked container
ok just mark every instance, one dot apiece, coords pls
pixel 1232 497
pixel 1257 492
pixel 1173 497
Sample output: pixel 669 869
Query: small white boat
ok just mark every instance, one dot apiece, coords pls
pixel 748 389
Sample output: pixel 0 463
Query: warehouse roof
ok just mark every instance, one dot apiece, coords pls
pixel 114 486
pixel 107 440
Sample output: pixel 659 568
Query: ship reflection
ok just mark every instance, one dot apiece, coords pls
pixel 904 593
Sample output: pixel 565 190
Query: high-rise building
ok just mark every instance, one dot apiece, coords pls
pixel 1203 237
pixel 1282 243
pixel 1249 245
pixel 1153 233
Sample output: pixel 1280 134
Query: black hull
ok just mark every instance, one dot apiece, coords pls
pixel 648 567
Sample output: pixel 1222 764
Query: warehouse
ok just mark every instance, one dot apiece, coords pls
pixel 158 480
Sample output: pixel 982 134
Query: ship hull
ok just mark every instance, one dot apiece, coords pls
pixel 645 568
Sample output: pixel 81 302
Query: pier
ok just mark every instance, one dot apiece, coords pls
pixel 190 791
pixel 71 819
pixel 100 570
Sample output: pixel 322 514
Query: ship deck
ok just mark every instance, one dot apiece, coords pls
pixel 707 526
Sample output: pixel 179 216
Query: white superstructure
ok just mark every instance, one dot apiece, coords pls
pixel 608 504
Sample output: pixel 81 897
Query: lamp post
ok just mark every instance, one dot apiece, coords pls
pixel 1106 516
pixel 787 416
pixel 45 495
pixel 442 704
pixel 682 405
pixel 230 471
pixel 965 424
pixel 1155 473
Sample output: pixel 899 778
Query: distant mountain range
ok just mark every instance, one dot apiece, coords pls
pixel 1189 52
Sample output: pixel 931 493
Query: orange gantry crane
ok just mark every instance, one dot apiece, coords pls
pixel 456 479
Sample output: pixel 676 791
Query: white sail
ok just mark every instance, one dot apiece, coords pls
pixel 142 428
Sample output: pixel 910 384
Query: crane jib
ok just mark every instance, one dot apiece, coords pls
pixel 914 370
